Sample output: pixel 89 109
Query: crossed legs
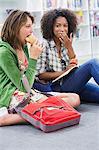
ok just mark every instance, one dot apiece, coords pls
pixel 11 119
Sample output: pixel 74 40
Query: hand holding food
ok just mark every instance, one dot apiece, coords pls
pixel 35 48
pixel 31 39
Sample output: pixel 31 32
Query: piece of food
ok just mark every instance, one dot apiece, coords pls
pixel 31 39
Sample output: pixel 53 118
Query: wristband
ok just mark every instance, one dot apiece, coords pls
pixel 73 61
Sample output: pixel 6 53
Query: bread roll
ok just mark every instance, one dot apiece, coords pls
pixel 31 39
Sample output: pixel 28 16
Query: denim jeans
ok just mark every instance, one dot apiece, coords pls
pixel 77 82
pixel 42 87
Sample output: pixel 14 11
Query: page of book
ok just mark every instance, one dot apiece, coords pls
pixel 65 73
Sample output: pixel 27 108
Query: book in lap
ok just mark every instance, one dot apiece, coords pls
pixel 65 73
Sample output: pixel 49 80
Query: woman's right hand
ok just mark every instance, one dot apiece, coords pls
pixel 70 66
pixel 35 50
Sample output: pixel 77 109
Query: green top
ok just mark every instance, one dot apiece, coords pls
pixel 10 75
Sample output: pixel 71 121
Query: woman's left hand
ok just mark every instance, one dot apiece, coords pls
pixel 68 44
pixel 66 40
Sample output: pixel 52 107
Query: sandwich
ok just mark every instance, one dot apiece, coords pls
pixel 31 39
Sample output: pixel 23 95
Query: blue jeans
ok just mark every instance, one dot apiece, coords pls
pixel 42 87
pixel 77 82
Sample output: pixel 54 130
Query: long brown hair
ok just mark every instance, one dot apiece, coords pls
pixel 12 25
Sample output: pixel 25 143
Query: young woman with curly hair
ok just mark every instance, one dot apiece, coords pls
pixel 58 27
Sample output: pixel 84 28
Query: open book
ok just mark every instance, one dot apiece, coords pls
pixel 65 73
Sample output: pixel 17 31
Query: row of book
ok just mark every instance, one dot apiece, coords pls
pixel 93 4
pixel 58 3
pixel 72 4
pixel 95 30
pixel 94 17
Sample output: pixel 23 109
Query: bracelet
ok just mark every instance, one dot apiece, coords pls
pixel 74 56
pixel 73 61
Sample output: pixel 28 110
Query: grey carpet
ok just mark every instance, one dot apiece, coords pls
pixel 84 136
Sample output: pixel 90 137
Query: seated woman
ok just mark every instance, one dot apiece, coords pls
pixel 16 58
pixel 58 56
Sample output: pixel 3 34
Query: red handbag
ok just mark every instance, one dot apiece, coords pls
pixel 49 115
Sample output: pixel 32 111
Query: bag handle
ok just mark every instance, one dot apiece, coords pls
pixel 39 109
pixel 26 84
pixel 35 107
pixel 26 98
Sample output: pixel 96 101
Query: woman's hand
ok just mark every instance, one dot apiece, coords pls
pixel 68 44
pixel 66 40
pixel 74 61
pixel 35 50
pixel 69 67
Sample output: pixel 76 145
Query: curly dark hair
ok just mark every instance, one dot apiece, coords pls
pixel 48 20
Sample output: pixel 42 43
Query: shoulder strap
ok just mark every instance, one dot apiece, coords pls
pixel 26 83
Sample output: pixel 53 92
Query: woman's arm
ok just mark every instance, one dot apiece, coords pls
pixel 48 76
pixel 10 68
pixel 8 63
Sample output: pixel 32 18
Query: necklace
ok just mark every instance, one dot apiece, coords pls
pixel 22 59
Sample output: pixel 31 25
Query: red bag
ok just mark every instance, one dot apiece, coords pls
pixel 49 115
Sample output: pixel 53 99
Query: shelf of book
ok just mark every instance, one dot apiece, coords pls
pixel 87 12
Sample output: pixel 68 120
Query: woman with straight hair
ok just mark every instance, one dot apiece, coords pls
pixel 16 61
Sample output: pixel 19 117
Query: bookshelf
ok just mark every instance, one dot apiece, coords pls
pixel 86 40
pixel 33 6
pixel 94 26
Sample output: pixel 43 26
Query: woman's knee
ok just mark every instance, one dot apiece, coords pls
pixel 72 98
pixel 76 100
pixel 93 61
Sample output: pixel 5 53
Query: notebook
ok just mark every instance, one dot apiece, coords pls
pixel 65 73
